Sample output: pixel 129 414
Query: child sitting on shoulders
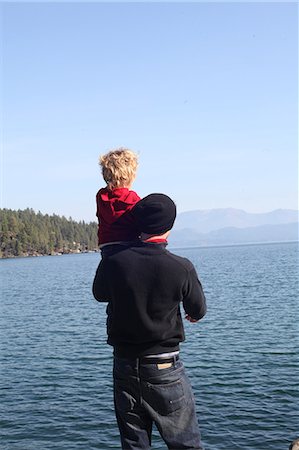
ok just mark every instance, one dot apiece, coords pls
pixel 119 171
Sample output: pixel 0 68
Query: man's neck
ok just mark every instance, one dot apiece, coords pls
pixel 155 240
pixel 160 238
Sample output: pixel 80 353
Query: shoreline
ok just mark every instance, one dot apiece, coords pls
pixel 38 255
pixel 78 252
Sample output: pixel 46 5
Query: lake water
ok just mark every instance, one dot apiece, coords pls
pixel 56 385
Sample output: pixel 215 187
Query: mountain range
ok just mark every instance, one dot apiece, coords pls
pixel 233 226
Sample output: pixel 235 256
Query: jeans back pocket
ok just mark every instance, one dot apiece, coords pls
pixel 165 398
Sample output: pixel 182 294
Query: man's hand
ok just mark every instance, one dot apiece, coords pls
pixel 187 317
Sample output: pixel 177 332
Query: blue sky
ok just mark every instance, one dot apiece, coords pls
pixel 206 93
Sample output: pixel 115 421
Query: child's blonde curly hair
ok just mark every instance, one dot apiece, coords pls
pixel 119 167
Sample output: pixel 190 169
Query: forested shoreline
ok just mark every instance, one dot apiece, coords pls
pixel 27 233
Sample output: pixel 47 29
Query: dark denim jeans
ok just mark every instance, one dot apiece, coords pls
pixel 148 393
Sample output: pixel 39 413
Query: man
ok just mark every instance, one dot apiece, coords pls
pixel 144 285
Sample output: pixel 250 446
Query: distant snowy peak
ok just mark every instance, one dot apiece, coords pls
pixel 204 221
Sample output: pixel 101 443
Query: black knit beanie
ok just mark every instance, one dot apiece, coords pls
pixel 154 214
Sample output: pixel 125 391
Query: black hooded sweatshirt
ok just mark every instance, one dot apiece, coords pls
pixel 144 284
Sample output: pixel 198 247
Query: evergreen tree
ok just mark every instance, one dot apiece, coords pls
pixel 28 233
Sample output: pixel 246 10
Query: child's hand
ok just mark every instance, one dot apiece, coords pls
pixel 187 317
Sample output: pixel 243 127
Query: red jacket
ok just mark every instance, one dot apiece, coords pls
pixel 114 224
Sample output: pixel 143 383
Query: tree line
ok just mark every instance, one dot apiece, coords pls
pixel 27 233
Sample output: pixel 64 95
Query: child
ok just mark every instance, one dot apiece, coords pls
pixel 119 171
